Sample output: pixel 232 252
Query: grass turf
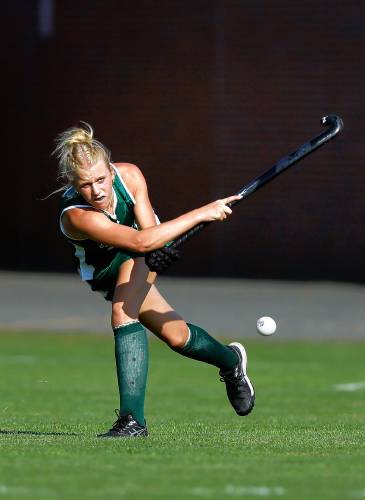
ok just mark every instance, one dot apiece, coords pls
pixel 304 439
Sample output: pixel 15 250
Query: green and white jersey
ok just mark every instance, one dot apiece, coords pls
pixel 91 257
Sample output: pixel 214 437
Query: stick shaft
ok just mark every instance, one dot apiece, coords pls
pixel 335 125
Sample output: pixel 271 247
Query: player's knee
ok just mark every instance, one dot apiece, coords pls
pixel 178 338
pixel 119 315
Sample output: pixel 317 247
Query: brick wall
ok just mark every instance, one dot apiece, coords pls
pixel 204 96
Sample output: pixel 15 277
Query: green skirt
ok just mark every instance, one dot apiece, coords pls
pixel 105 280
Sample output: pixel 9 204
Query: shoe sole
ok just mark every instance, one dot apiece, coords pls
pixel 243 361
pixel 121 436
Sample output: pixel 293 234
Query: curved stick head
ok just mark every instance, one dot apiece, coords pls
pixel 333 121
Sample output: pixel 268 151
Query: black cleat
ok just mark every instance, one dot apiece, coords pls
pixel 240 391
pixel 125 427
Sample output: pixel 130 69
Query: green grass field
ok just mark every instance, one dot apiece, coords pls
pixel 305 438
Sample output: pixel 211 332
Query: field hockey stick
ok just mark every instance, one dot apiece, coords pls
pixel 334 124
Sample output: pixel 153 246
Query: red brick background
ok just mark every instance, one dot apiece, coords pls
pixel 203 96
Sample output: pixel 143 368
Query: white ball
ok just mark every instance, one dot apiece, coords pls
pixel 266 325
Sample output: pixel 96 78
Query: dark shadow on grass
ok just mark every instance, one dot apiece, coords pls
pixel 34 433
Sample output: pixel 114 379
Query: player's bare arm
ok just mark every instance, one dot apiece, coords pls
pixel 92 224
pixel 136 183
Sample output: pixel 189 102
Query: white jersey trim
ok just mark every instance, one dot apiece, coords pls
pixel 124 184
pixel 62 227
pixel 86 270
pixel 129 193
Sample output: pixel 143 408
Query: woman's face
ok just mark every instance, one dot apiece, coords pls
pixel 95 184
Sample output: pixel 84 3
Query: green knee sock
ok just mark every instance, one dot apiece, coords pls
pixel 202 347
pixel 131 356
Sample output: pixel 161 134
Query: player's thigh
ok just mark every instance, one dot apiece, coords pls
pixel 160 318
pixel 133 283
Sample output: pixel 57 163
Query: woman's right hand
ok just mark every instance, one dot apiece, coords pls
pixel 217 210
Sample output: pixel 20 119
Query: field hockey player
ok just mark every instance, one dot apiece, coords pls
pixel 107 217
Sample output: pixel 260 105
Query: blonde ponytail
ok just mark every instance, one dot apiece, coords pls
pixel 76 148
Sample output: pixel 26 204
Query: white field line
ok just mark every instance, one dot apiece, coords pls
pixel 259 491
pixel 22 491
pixel 17 358
pixel 239 491
pixel 359 494
pixel 351 387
